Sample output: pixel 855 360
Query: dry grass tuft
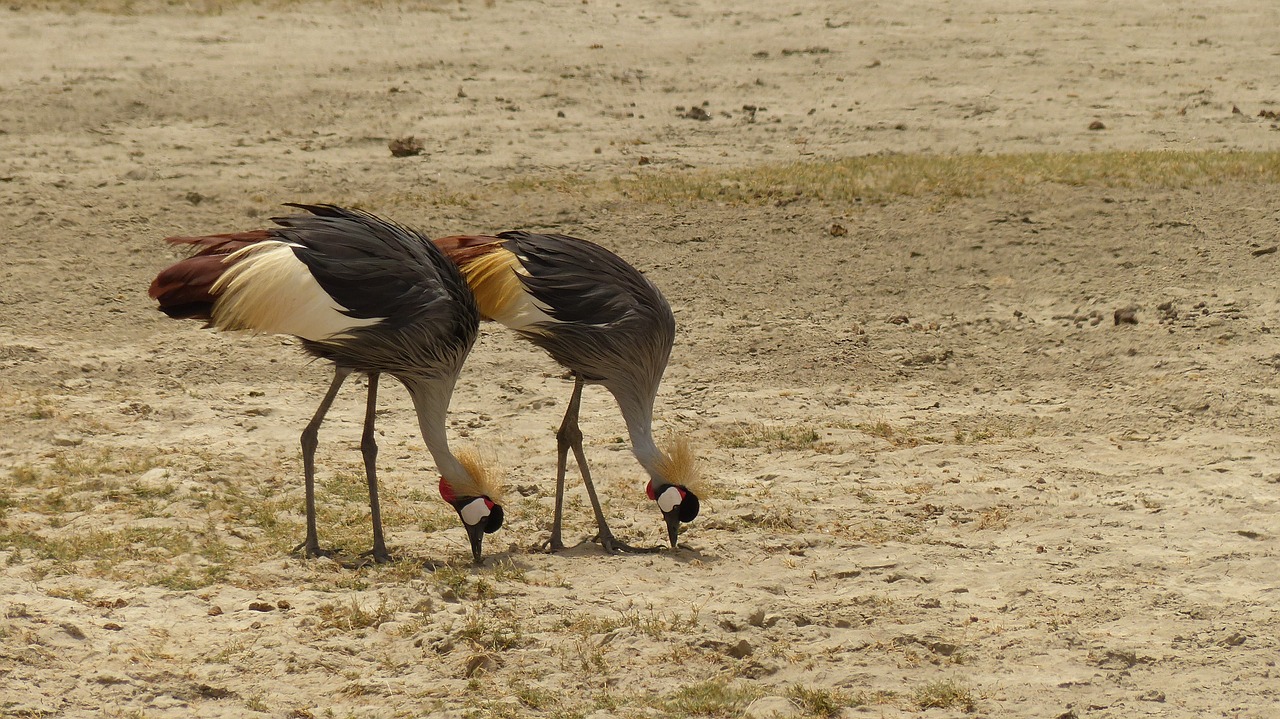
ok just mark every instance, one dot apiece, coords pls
pixel 944 694
pixel 882 177
pixel 744 435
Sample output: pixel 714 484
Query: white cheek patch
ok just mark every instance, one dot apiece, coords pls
pixel 474 512
pixel 669 499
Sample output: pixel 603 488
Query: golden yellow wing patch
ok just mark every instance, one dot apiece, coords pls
pixel 499 293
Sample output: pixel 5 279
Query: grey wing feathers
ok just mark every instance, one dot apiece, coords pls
pixel 581 282
pixel 372 267
pixel 612 324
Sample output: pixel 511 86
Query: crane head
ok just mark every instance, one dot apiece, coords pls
pixel 479 515
pixel 677 504
pixel 676 486
pixel 477 498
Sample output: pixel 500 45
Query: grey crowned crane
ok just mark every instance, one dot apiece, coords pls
pixel 606 323
pixel 368 295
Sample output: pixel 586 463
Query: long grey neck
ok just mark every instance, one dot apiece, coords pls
pixel 431 400
pixel 638 414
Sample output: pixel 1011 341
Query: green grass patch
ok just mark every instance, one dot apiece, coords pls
pixel 654 624
pixel 893 435
pixel 855 181
pixel 883 177
pixel 495 631
pixel 824 703
pixel 943 694
pixel 714 698
pixel 350 616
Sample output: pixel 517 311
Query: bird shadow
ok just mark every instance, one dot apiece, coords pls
pixel 684 554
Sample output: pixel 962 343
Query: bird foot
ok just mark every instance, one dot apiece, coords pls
pixel 550 546
pixel 613 545
pixel 373 556
pixel 311 549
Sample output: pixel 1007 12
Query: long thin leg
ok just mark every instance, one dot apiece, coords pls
pixel 310 440
pixel 369 448
pixel 563 442
pixel 570 437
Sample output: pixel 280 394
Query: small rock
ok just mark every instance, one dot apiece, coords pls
pixel 134 407
pixel 405 146
pixel 740 650
pixel 154 478
pixel 696 113
pixel 753 669
pixel 210 692
pixel 262 606
pixel 284 604
pixel 215 611
pixel 772 707
pixel 480 664
pixel 1126 316
pixel 1097 125
pixel 1235 640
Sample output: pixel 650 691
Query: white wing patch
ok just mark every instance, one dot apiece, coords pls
pixel 268 289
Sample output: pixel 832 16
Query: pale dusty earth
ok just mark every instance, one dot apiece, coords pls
pixel 943 474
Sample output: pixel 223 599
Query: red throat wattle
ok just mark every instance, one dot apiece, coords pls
pixel 446 492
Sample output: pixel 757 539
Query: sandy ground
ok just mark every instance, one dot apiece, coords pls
pixel 945 476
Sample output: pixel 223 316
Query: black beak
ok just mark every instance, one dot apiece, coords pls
pixel 488 525
pixel 475 533
pixel 673 525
